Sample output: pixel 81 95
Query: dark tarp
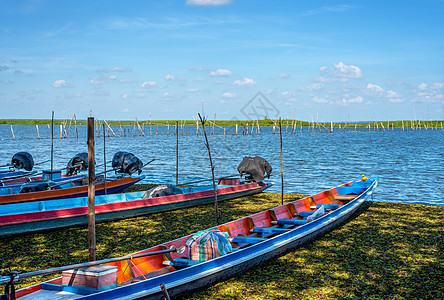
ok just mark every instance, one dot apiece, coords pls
pixel 77 163
pixel 162 190
pixel 125 162
pixel 23 160
pixel 255 167
pixel 38 186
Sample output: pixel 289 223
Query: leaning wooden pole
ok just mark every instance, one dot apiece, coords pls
pixel 282 163
pixel 177 152
pixel 202 121
pixel 91 192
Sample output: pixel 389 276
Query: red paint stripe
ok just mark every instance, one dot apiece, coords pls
pixel 68 192
pixel 120 206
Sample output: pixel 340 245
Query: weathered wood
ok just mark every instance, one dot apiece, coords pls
pixel 202 121
pixel 52 143
pixel 91 192
pixel 282 163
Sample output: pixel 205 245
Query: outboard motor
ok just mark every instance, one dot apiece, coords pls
pixel 23 160
pixel 77 163
pixel 38 186
pixel 125 162
pixel 255 167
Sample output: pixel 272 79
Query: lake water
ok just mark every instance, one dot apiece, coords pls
pixel 409 164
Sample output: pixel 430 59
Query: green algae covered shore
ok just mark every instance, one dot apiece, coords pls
pixel 385 251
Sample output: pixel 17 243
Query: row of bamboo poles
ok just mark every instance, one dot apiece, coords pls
pixel 250 127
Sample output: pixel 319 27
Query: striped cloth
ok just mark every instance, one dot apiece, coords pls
pixel 208 244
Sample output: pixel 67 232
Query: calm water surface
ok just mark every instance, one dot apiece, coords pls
pixel 409 165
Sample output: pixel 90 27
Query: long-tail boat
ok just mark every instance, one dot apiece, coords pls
pixel 18 218
pixel 63 189
pixel 166 270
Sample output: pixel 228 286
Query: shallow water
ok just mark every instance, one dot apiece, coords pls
pixel 409 164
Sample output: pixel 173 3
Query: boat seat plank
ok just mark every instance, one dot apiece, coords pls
pixel 327 206
pixel 181 262
pixel 269 230
pixel 295 222
pixel 305 214
pixel 247 239
pixel 345 197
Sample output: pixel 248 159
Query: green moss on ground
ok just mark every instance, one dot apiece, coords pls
pixel 386 251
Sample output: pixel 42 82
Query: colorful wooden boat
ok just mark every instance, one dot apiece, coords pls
pixel 71 189
pixel 12 174
pixel 151 273
pixel 18 218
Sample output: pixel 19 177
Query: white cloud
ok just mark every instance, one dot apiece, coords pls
pixel 59 84
pixel 320 100
pixel 342 70
pixel 288 95
pixel 208 2
pixel 221 73
pixel 193 68
pixel 124 96
pixel 147 84
pixel 229 95
pixel 170 77
pixel 314 87
pixel 245 82
pixel 192 90
pixel 96 80
pixel 347 99
pixel 117 69
pixel 330 80
pixel 284 76
pixel 375 90
pixel 429 93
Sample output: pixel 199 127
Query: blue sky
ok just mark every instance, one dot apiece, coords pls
pixel 331 60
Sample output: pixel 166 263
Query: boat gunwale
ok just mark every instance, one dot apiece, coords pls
pixel 280 240
pixel 133 204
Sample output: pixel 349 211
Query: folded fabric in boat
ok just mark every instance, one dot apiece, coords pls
pixel 161 191
pixel 208 244
pixel 317 214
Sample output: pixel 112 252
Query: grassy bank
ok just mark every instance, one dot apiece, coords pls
pixel 386 251
pixel 263 123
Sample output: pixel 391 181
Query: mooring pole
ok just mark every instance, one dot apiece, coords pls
pixel 104 155
pixel 282 162
pixel 91 192
pixel 52 143
pixel 207 144
pixel 177 152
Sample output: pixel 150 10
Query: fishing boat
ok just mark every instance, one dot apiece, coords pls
pixel 68 188
pixel 35 216
pixel 168 269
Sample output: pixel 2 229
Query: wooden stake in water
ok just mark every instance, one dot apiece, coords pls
pixel 202 121
pixel 91 192
pixel 282 163
pixel 13 135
